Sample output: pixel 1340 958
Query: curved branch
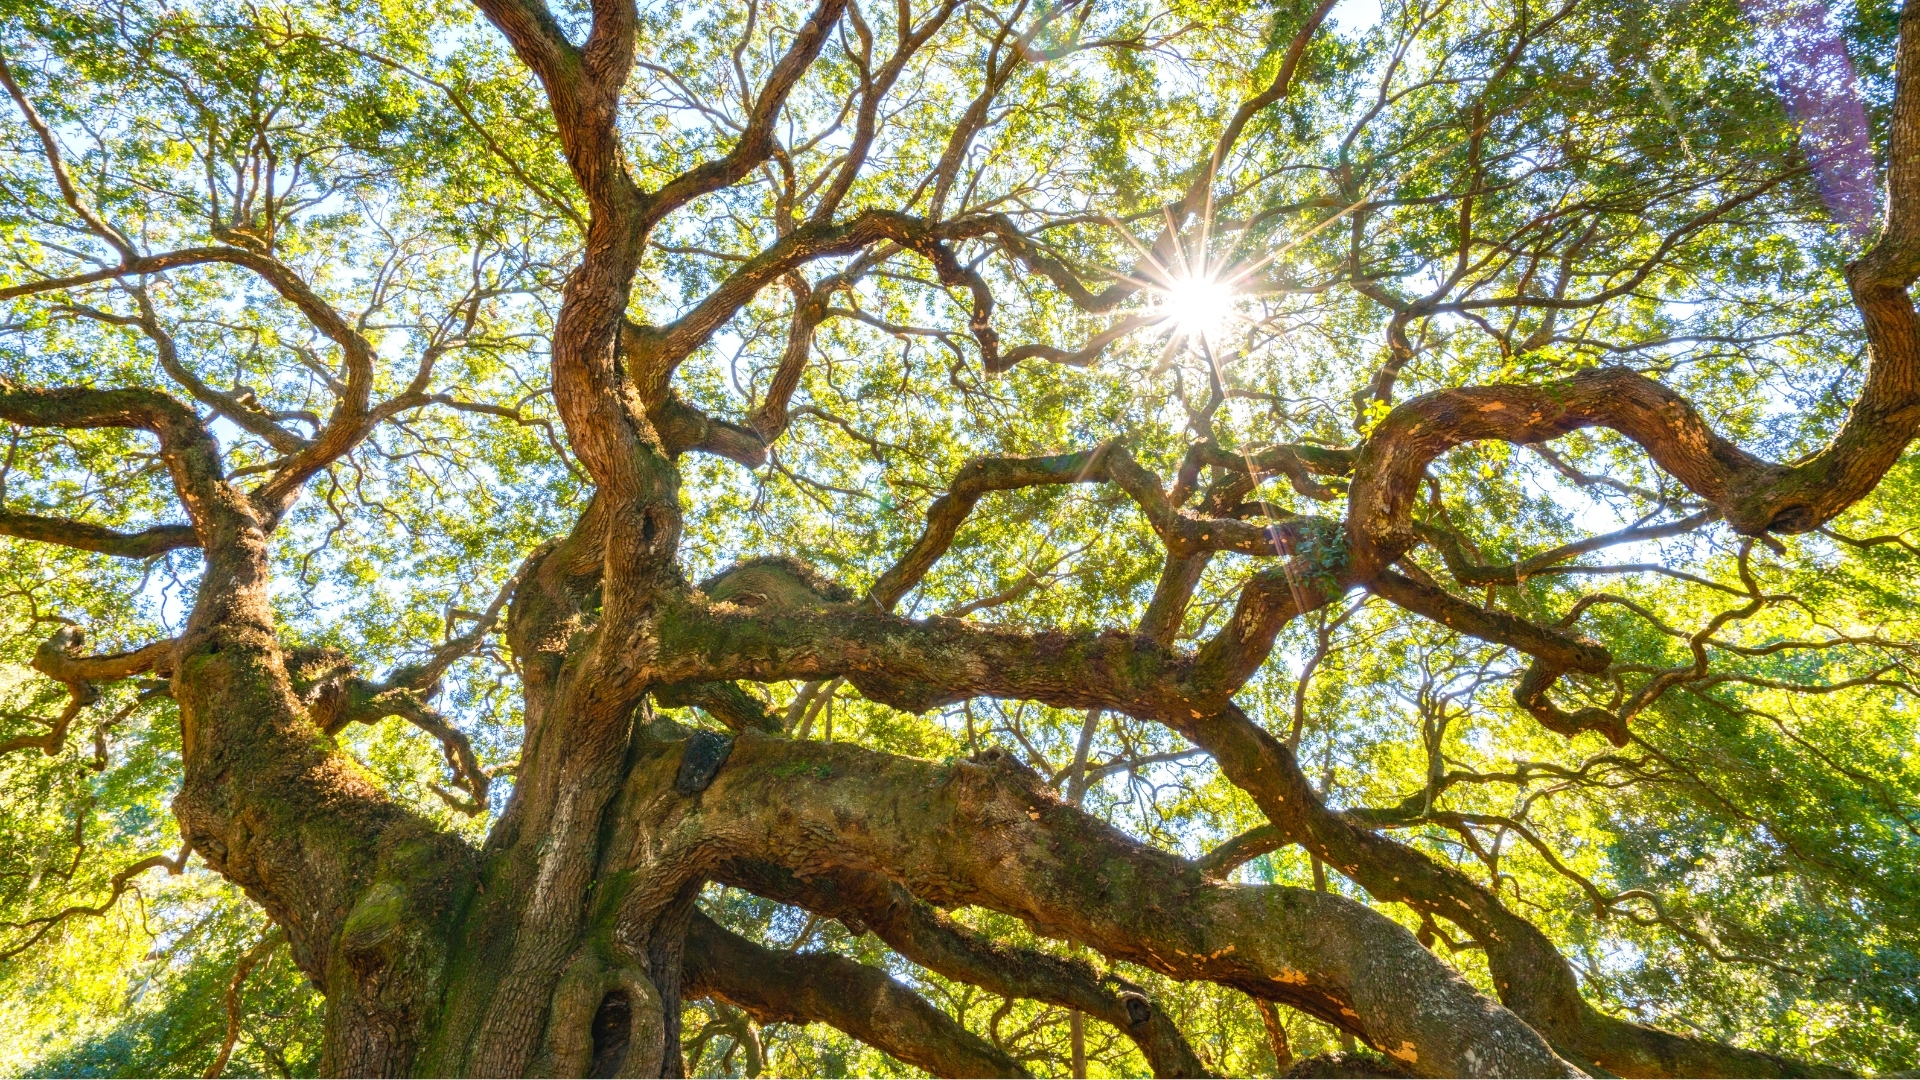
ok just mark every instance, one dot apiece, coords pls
pixel 191 456
pixel 118 887
pixel 1532 977
pixel 1468 572
pixel 50 146
pixel 454 744
pixel 338 699
pixel 59 659
pixel 756 142
pixel 988 833
pixel 1554 653
pixel 249 418
pixel 918 931
pixel 864 1002
pixel 770 419
pixel 1298 462
pixel 656 351
pixel 915 665
pixel 1753 495
pixel 726 702
pixel 426 676
pixel 248 960
pixel 682 427
pixel 348 424
pixel 1183 533
pixel 938 660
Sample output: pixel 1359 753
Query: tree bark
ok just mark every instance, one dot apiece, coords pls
pixel 800 988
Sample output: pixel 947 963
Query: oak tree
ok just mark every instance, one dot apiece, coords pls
pixel 1397 516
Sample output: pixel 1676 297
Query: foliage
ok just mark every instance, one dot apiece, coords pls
pixel 1744 869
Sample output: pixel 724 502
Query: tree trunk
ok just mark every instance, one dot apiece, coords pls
pixel 565 946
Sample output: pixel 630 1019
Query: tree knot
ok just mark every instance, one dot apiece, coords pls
pixel 700 762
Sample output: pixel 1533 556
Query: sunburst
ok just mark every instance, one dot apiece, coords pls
pixel 1199 301
pixel 1198 308
pixel 1195 300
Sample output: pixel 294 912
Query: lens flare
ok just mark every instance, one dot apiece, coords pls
pixel 1198 307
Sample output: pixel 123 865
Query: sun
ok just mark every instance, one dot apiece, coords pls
pixel 1198 307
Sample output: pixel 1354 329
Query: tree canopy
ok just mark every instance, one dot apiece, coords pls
pixel 1063 537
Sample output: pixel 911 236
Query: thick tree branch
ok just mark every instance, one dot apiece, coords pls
pixel 864 1002
pixel 352 417
pixel 187 448
pixel 916 930
pixel 1532 977
pixel 915 664
pixel 724 701
pixel 988 833
pixel 1242 848
pixel 59 658
pixel 683 427
pixel 85 536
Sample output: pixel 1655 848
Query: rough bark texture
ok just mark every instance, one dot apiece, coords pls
pixel 988 833
pixel 800 988
pixel 918 931
pixel 566 944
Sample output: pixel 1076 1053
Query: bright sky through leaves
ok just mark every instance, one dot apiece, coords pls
pixel 960 494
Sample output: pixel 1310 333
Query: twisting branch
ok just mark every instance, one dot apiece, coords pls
pixel 919 932
pixel 734 1024
pixel 726 702
pixel 770 418
pixel 864 1002
pixel 916 664
pixel 187 448
pixel 337 698
pixel 118 885
pixel 991 833
pixel 1530 974
pixel 59 659
pixel 1468 572
pixel 50 146
pixel 425 676
pixel 1554 653
pixel 1182 532
pixel 873 88
pixel 248 961
pixel 249 417
pixel 656 352
pixel 1754 496
pixel 756 141
pixel 350 420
